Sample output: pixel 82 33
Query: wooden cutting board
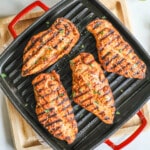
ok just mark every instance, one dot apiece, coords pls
pixel 23 135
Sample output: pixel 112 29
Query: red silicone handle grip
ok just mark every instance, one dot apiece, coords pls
pixel 22 13
pixel 132 137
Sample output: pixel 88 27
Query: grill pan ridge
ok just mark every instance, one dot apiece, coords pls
pixel 128 93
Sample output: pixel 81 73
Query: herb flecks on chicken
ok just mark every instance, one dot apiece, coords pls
pixel 115 54
pixel 53 107
pixel 48 46
pixel 91 89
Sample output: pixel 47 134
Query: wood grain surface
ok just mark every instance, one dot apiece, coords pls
pixel 23 135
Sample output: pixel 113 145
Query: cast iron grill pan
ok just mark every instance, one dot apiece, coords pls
pixel 129 94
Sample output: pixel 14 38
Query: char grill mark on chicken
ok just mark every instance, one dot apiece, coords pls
pixel 115 54
pixel 91 89
pixel 46 47
pixel 53 107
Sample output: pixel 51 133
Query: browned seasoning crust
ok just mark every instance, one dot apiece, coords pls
pixel 53 107
pixel 91 89
pixel 115 54
pixel 46 47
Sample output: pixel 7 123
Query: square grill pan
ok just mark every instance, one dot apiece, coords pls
pixel 130 94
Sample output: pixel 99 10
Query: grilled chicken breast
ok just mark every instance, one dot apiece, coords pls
pixel 91 89
pixel 45 48
pixel 115 54
pixel 53 107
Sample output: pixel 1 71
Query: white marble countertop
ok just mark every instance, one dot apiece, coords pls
pixel 139 15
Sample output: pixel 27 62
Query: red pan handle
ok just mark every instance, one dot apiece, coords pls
pixel 132 137
pixel 22 13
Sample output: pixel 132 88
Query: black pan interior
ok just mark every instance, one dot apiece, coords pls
pixel 129 94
